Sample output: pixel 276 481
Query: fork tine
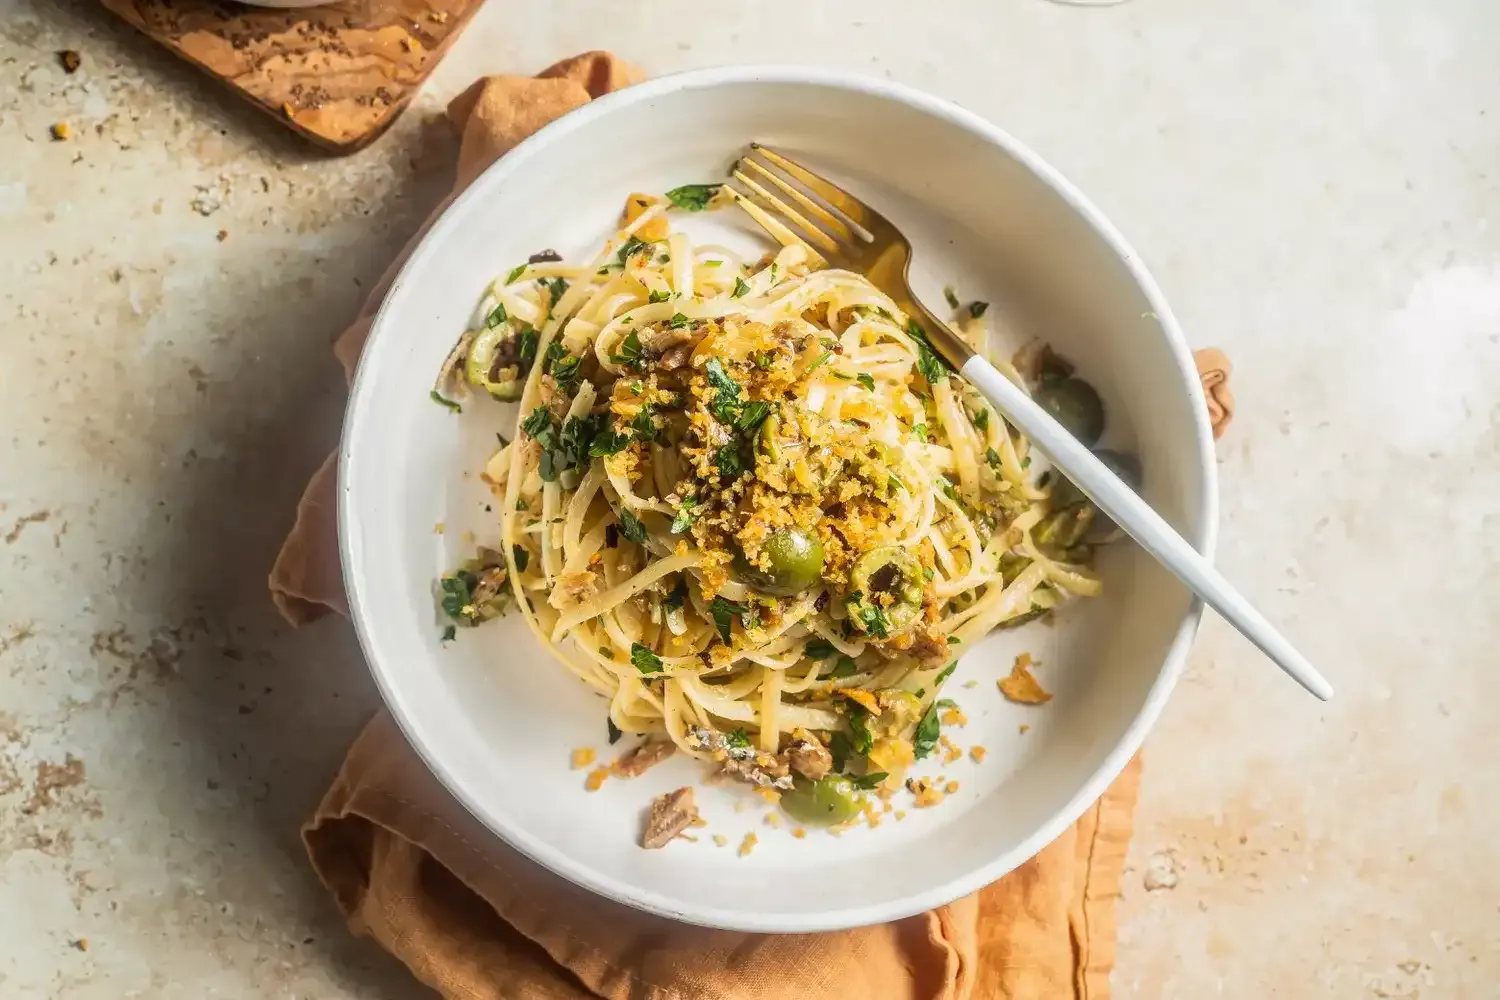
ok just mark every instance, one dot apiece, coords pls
pixel 830 222
pixel 840 199
pixel 818 236
pixel 780 233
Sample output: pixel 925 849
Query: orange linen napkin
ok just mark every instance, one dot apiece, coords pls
pixel 474 919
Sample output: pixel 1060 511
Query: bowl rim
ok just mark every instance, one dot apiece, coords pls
pixel 837 918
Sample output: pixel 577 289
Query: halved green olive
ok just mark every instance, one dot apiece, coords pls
pixel 796 563
pixel 887 571
pixel 1063 529
pixel 1075 405
pixel 825 802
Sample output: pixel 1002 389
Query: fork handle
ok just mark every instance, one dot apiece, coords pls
pixel 1140 522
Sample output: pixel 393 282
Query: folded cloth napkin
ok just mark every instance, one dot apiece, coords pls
pixel 475 920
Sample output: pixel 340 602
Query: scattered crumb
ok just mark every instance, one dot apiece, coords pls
pixel 437 16
pixel 439 528
pixel 1161 872
pixel 748 844
pixel 900 815
pixel 699 821
pixel 951 751
pixel 596 778
pixel 771 795
pixel 583 757
pixel 953 716
pixel 288 110
pixel 1023 729
pixel 720 840
pixel 873 820
pixel 223 235
pixel 82 944
pixel 925 793
pixel 61 131
pixel 773 820
pixel 950 788
pixel 467 538
pixel 885 807
pixel 70 60
pixel 864 699
pixel 1022 688
pixel 976 753
pixel 798 832
pixel 970 684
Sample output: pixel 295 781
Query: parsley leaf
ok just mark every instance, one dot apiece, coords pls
pixel 844 668
pixel 457 592
pixel 644 660
pixel 869 781
pixel 872 616
pixel 526 353
pixel 821 360
pixel 515 273
pixel 951 296
pixel 685 516
pixel 678 321
pixel 658 296
pixel 737 738
pixel 632 246
pixel 629 354
pixel 740 289
pixel 729 463
pixel 675 599
pixel 537 424
pixel 631 526
pixel 752 416
pixel 522 557
pixel 859 727
pixel 693 197
pixel 945 673
pixel 867 380
pixel 442 400
pixel 954 640
pixel 818 649
pixel 556 287
pixel 723 613
pixel 919 431
pixel 608 443
pixel 496 316
pixel 931 368
pixel 993 457
pixel 841 749
pixel 926 737
pixel 645 428
pixel 982 419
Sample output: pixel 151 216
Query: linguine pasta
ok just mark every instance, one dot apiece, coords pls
pixel 749 506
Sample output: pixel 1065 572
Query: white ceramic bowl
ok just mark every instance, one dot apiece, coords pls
pixel 495 717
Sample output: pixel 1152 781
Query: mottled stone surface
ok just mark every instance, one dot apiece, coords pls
pixel 1311 181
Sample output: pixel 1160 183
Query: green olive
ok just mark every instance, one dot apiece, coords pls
pixel 825 802
pixel 1124 465
pixel 1075 405
pixel 796 561
pixel 890 570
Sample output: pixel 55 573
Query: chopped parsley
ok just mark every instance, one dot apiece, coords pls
pixel 821 361
pixel 729 462
pixel 442 400
pixel 841 750
pixel 737 738
pixel 740 289
pixel 948 670
pixel 631 526
pixel 859 728
pixel 982 419
pixel 872 616
pixel 693 197
pixel 919 431
pixel 993 458
pixel 930 367
pixel 644 660
pixel 869 781
pixel 926 737
pixel 644 426
pixel 629 353
pixel 496 316
pixel 685 516
pixel 678 596
pixel 632 246
pixel 951 296
pixel 954 640
pixel 515 273
pixel 752 416
pixel 658 296
pixel 608 443
pixel 818 649
pixel 449 633
pixel 723 613
pixel 866 379
pixel 977 308
pixel 457 591
pixel 555 287
pixel 522 557
pixel 678 321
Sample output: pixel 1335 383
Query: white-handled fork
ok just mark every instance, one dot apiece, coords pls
pixel 798 207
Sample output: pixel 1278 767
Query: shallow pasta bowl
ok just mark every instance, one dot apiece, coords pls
pixel 496 718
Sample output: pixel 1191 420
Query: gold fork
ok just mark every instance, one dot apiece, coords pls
pixel 839 229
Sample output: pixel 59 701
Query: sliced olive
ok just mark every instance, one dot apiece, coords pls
pixel 497 363
pixel 1075 405
pixel 1124 465
pixel 825 802
pixel 796 563
pixel 1063 529
pixel 1011 566
pixel 887 572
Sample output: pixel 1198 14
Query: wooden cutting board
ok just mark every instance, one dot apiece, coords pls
pixel 337 74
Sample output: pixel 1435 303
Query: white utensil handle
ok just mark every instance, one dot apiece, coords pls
pixel 1140 522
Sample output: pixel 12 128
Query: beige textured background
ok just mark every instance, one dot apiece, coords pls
pixel 1311 180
